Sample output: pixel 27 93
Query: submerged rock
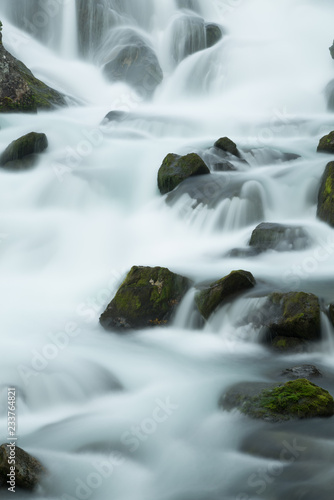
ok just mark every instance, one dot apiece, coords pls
pixel 24 148
pixel 175 169
pixel 147 297
pixel 20 91
pixel 222 290
pixel 28 470
pixel 326 144
pixel 133 61
pixel 325 209
pixel 225 144
pixel 299 399
pixel 291 319
pixel 279 237
pixel 331 50
pixel 302 371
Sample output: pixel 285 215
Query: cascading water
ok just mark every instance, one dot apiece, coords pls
pixel 137 417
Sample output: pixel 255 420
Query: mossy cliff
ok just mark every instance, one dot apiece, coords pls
pixel 147 297
pixel 299 398
pixel 20 91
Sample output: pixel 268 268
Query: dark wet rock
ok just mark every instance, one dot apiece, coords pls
pixel 292 345
pixel 302 371
pixel 20 91
pixel 326 144
pixel 331 313
pixel 267 155
pixel 291 319
pixel 133 61
pixel 295 399
pixel 220 291
pixel 23 152
pixel 213 34
pixel 115 116
pixel 242 252
pixel 325 209
pixel 225 144
pixel 175 169
pixel 331 50
pixel 28 470
pixel 190 34
pixel 278 237
pixel 147 297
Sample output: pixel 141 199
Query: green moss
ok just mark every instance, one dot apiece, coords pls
pixel 326 144
pixel 325 210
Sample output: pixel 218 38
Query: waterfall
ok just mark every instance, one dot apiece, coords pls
pixel 136 415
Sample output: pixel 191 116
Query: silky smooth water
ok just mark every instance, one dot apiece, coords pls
pixel 136 417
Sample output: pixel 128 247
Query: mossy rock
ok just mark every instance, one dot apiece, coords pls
pixel 279 237
pixel 295 315
pixel 331 313
pixel 222 290
pixel 225 144
pixel 147 297
pixel 175 169
pixel 325 210
pixel 28 145
pixel 295 399
pixel 20 91
pixel 326 144
pixel 28 470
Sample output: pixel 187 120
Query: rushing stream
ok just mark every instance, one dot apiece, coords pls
pixel 136 417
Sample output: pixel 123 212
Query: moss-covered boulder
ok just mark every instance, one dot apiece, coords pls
pixel 291 319
pixel 28 470
pixel 175 169
pixel 147 297
pixel 24 148
pixel 20 91
pixel 326 144
pixel 325 209
pixel 213 34
pixel 225 144
pixel 220 291
pixel 278 237
pixel 299 398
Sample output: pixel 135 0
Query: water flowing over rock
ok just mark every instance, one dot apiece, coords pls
pixel 147 297
pixel 222 290
pixel 326 144
pixel 228 146
pixel 278 237
pixel 20 91
pixel 23 149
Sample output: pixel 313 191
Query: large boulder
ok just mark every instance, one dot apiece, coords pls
pixel 279 237
pixel 325 210
pixel 22 152
pixel 130 59
pixel 175 169
pixel 220 291
pixel 147 297
pixel 326 144
pixel 299 398
pixel 291 319
pixel 27 472
pixel 20 91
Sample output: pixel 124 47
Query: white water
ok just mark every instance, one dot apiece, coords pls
pixel 72 227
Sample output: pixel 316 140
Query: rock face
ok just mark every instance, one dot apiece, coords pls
pixel 295 399
pixel 133 61
pixel 291 319
pixel 225 144
pixel 326 144
pixel 26 147
pixel 28 470
pixel 325 210
pixel 224 289
pixel 278 237
pixel 175 169
pixel 20 91
pixel 147 297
